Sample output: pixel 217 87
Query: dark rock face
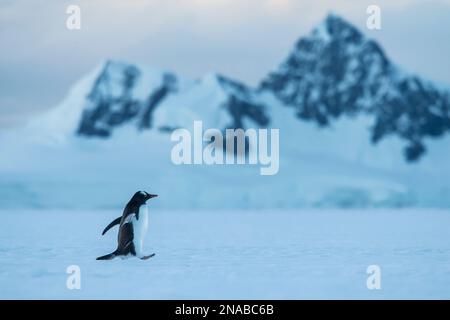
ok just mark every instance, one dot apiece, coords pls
pixel 337 71
pixel 168 85
pixel 242 102
pixel 110 102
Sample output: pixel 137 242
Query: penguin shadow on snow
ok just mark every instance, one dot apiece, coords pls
pixel 133 226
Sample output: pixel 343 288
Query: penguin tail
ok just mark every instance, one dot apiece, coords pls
pixel 107 257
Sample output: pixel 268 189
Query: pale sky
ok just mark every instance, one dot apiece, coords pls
pixel 40 58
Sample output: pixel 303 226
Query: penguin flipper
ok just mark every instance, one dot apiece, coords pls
pixel 112 224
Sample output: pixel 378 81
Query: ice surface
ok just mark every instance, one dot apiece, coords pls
pixel 230 255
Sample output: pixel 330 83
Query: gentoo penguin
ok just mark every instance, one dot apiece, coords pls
pixel 133 227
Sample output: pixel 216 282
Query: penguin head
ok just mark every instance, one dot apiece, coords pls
pixel 141 197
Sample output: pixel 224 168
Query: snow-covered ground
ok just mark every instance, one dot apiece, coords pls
pixel 230 254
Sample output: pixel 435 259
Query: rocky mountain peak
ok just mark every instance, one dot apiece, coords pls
pixel 337 71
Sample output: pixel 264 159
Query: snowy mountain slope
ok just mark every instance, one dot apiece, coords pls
pixel 111 136
pixel 218 101
pixel 148 99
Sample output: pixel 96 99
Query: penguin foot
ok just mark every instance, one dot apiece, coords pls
pixel 147 257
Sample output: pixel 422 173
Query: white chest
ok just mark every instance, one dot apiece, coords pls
pixel 140 229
